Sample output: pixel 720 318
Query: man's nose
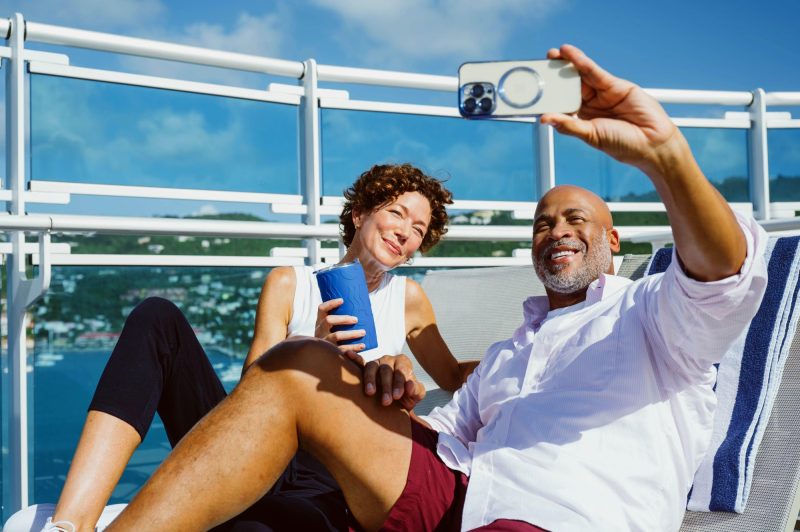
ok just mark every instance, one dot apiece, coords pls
pixel 560 230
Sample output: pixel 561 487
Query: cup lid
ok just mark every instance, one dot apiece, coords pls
pixel 336 266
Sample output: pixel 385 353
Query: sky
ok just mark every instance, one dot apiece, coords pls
pixel 732 45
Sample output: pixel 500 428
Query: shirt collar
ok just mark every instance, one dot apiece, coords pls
pixel 535 308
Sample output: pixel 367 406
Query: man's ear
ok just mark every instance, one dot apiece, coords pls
pixel 613 239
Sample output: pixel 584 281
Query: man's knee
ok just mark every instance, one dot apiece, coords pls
pixel 300 353
pixel 307 363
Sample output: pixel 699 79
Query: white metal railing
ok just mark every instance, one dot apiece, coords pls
pixel 139 80
pixel 106 42
pixel 61 191
pixel 308 97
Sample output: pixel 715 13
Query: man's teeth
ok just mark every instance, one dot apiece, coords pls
pixel 558 254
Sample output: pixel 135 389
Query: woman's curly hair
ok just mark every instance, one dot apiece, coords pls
pixel 381 184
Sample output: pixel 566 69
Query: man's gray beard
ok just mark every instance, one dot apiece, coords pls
pixel 595 262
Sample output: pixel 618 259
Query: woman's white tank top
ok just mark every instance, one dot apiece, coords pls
pixel 388 310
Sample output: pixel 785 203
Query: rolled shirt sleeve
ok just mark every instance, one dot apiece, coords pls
pixel 691 320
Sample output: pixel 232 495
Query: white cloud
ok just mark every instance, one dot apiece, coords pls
pixel 118 145
pixel 413 30
pixel 720 153
pixel 262 35
pixel 206 210
pixel 170 134
pixel 101 15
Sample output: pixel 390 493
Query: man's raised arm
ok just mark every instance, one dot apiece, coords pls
pixel 620 119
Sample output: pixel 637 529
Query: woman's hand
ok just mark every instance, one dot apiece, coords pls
pixel 326 321
pixel 393 376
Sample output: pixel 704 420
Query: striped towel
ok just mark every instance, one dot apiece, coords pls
pixel 747 381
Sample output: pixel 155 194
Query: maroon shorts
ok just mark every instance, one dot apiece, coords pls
pixel 433 498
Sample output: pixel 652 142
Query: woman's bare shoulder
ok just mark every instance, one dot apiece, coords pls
pixel 282 273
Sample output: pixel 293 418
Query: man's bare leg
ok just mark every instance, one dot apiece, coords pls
pixel 301 393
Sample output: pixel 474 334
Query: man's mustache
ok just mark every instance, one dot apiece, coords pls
pixel 577 245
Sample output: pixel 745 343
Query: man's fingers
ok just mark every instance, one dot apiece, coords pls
pixel 404 372
pixel 591 73
pixel 370 372
pixel 393 376
pixel 554 53
pixel 414 393
pixel 386 376
pixel 569 125
pixel 416 390
pixel 399 384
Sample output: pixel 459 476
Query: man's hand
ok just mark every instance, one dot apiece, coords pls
pixel 393 377
pixel 619 118
pixel 616 116
pixel 326 321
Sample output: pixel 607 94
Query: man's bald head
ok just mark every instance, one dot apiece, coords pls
pixel 579 196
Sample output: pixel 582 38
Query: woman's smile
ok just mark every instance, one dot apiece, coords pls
pixel 394 248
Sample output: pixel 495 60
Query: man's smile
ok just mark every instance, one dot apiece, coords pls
pixel 563 256
pixel 562 253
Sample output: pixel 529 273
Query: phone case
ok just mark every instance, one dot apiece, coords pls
pixel 496 89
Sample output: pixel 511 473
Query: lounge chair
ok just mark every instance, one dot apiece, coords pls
pixel 476 307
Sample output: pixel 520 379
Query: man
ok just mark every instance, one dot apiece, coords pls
pixel 595 415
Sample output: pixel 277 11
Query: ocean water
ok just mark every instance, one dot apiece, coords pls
pixel 63 385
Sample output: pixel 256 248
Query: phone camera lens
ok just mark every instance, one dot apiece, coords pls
pixel 477 91
pixel 470 105
pixel 486 105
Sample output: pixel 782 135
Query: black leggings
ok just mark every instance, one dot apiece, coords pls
pixel 159 366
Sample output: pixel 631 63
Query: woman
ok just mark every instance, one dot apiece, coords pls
pixel 391 211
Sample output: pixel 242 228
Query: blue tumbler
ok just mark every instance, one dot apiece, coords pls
pixel 347 281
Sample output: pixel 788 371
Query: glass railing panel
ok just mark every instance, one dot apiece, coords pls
pixel 165 208
pixel 481 159
pixel 721 153
pixel 191 246
pixel 784 164
pixel 5 477
pixel 112 134
pixel 75 327
pixel 3 134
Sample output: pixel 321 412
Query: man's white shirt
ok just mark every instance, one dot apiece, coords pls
pixel 596 416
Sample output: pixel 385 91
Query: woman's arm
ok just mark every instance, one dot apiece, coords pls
pixel 274 312
pixel 427 344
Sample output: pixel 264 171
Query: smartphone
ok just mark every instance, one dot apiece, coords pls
pixel 496 89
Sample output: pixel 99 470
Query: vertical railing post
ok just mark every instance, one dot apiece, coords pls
pixel 545 159
pixel 759 156
pixel 15 493
pixel 310 155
